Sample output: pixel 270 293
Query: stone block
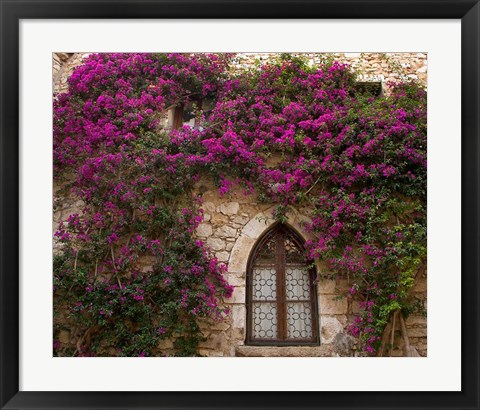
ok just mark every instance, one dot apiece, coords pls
pixel 238 316
pixel 216 244
pixel 355 306
pixel 255 227
pixel 208 207
pixel 420 286
pixel 329 328
pixel 332 306
pixel 343 284
pixel 62 56
pixel 343 319
pixel 165 344
pixel 214 353
pixel 326 286
pixel 417 332
pixel 205 325
pixel 344 344
pixel 239 254
pixel 239 336
pixel 221 326
pixel 416 320
pixel 229 208
pixel 241 219
pixel 284 351
pixel 204 230
pixel 219 219
pixel 238 295
pixel 222 256
pixel 226 232
pixel 235 280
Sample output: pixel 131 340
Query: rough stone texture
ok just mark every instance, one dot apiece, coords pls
pixel 384 67
pixel 226 232
pixel 344 344
pixel 229 208
pixel 326 287
pixel 204 230
pixel 209 207
pixel 330 326
pixel 236 279
pixel 285 351
pixel 331 306
pixel 222 256
pixel 63 66
pixel 257 225
pixel 216 244
pixel 238 317
pixel 234 222
pixel 241 220
pixel 416 320
pixel 238 295
pixel 239 254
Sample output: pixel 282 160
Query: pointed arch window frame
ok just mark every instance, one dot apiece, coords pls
pixel 279 230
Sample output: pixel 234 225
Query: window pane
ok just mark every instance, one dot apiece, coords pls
pixel 292 253
pixel 298 283
pixel 189 114
pixel 264 284
pixel 266 256
pixel 299 321
pixel 264 320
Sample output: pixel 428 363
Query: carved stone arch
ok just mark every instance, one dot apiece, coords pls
pixel 252 231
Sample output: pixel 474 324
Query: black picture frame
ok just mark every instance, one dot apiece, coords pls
pixel 12 11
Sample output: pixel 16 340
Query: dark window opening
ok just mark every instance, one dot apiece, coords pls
pixel 369 89
pixel 189 113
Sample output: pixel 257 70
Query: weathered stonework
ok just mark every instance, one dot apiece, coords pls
pixel 384 67
pixel 233 223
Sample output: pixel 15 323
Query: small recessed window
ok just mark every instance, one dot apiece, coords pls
pixel 282 297
pixel 188 113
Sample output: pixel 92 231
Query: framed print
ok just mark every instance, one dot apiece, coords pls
pixel 227 194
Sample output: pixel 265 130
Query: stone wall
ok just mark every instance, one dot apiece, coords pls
pixel 233 223
pixel 382 67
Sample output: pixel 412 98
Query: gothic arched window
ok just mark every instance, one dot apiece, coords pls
pixel 281 291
